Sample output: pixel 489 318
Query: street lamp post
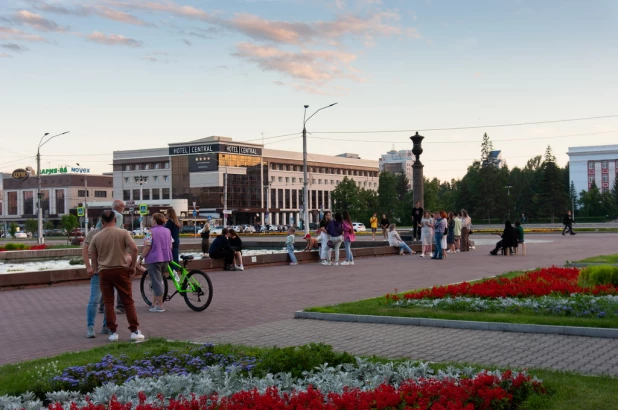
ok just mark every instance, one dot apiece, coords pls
pixel 38 173
pixel 305 182
pixel 85 201
pixel 141 180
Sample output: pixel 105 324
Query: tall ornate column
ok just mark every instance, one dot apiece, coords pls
pixel 418 181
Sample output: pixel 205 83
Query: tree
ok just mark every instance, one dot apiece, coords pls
pixel 553 192
pixel 345 195
pixel 615 191
pixel 12 229
pixel 49 225
pixel 486 147
pixel 573 197
pixel 69 222
pixel 387 193
pixel 32 225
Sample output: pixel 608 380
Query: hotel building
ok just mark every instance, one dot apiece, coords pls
pixel 593 164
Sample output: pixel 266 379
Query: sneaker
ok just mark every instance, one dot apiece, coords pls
pixel 335 263
pixel 351 263
pixel 293 263
pixel 105 331
pixel 450 251
pixel 325 263
pixel 457 250
pixel 157 309
pixel 137 336
pixel 120 310
pixel 90 334
pixel 422 255
pixel 345 263
pixel 241 268
pixel 113 337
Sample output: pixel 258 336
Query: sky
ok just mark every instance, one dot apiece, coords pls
pixel 131 74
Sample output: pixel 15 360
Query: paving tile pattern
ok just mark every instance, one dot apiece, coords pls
pixel 45 321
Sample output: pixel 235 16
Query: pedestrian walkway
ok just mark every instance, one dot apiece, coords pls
pixel 47 321
pixel 490 348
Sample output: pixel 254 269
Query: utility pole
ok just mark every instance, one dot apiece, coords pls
pixel 85 202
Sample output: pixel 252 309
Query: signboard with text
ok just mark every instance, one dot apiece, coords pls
pixel 203 163
pixel 20 174
pixel 212 148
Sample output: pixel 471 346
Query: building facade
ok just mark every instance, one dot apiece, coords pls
pixel 398 162
pixel 593 165
pixel 254 184
pixel 61 193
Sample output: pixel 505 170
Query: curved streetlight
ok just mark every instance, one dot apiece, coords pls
pixel 38 173
pixel 305 182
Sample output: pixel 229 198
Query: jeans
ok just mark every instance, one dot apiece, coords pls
pixel 324 249
pixel 291 253
pixel 438 239
pixel 404 247
pixel 337 242
pixel 226 254
pixel 93 302
pixel 175 256
pixel 568 228
pixel 348 250
pixel 119 279
pixel 416 230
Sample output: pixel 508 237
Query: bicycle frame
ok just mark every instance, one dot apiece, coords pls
pixel 184 273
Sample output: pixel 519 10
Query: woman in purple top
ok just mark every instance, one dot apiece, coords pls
pixel 157 253
pixel 335 230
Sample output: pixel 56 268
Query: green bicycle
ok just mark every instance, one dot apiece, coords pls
pixel 195 286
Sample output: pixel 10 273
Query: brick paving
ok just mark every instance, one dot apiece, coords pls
pixel 45 321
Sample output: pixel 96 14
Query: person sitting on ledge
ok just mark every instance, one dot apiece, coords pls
pixel 220 249
pixel 312 243
pixel 509 239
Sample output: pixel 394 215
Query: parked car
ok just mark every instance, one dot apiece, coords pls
pixel 236 228
pixel 216 230
pixel 188 229
pixel 248 229
pixel 78 232
pixel 138 232
pixel 359 227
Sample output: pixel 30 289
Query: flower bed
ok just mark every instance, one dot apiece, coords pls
pixel 362 385
pixel 21 247
pixel 542 282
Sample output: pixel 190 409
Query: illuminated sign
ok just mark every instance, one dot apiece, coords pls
pixel 64 170
pixel 20 174
pixel 208 148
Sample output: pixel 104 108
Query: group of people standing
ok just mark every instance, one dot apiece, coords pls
pixel 449 232
pixel 331 234
pixel 111 258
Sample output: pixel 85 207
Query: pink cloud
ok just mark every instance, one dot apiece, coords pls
pixel 8 33
pixel 5 55
pixel 169 7
pixel 100 10
pixel 119 16
pixel 36 21
pixel 308 65
pixel 113 39
pixel 277 31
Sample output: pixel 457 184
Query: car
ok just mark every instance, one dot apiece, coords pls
pixel 138 232
pixel 189 229
pixel 216 230
pixel 235 228
pixel 359 227
pixel 248 229
pixel 21 235
pixel 78 232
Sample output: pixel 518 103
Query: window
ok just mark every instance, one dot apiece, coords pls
pixel 590 165
pixel 166 165
pixel 82 193
pixel 313 180
pixel 157 165
pixel 605 178
pixel 332 182
pixel 155 194
pixel 280 179
pixel 146 166
pixel 319 182
pixel 605 189
pixel 100 194
pixel 60 201
pixel 126 180
pixel 137 167
pixel 155 178
pixel 11 199
pixel 288 199
pixel 272 179
pixel 604 164
pixel 28 202
pixel 146 194
pixel 293 180
pixel 294 199
pixel 165 193
pixel 280 198
pixel 166 178
pixel 128 167
pixel 590 179
pixel 126 195
pixel 300 180
pixel 136 195
pixel 287 180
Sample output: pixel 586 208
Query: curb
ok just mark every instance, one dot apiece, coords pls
pixel 461 324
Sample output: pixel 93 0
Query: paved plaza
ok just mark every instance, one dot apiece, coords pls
pixel 256 307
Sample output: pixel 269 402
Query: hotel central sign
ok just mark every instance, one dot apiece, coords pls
pixel 212 148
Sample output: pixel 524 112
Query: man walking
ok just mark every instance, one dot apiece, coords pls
pixel 417 215
pixel 107 250
pixel 568 223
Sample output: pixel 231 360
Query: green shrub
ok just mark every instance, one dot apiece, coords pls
pixel 76 261
pixel 598 275
pixel 15 247
pixel 296 360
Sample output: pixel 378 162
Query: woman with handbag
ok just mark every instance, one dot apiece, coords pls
pixel 348 238
pixel 323 239
pixel 335 230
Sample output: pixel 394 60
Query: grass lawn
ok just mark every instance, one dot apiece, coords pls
pixel 378 307
pixel 601 259
pixel 565 390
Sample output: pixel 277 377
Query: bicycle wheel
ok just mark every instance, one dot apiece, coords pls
pixel 145 286
pixel 200 297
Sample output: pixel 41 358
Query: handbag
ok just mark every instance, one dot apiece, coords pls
pixel 330 244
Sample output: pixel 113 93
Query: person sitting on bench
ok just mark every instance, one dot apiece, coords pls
pixel 509 239
pixel 220 249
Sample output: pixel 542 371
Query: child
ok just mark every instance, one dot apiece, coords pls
pixel 519 230
pixel 312 243
pixel 289 244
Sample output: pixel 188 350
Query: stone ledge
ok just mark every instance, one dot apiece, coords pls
pixel 462 324
pixel 17 279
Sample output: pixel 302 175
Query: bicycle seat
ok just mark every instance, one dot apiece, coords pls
pixel 186 257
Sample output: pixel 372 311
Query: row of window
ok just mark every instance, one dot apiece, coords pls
pixel 604 164
pixel 146 166
pixel 147 194
pixel 292 198
pixel 322 170
pixel 29 205
pixel 320 181
pixel 155 178
pixel 604 178
pixel 97 194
